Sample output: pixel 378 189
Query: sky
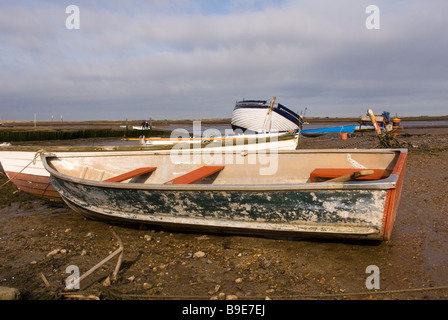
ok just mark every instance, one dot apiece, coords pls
pixel 181 59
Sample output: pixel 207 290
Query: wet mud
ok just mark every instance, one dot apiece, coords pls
pixel 38 237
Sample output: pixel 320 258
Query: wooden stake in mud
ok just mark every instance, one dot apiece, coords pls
pixel 47 284
pixel 375 123
pixel 387 138
pixel 99 264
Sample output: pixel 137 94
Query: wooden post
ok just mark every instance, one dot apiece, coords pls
pixel 126 129
pixel 375 124
pixel 268 114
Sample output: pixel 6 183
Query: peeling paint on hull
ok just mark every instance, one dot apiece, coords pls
pixel 342 213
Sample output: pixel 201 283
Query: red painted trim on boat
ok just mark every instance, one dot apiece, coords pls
pixel 34 184
pixel 131 174
pixel 196 175
pixel 393 197
pixel 336 172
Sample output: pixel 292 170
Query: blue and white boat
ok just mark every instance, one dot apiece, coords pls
pixel 264 116
pixel 321 131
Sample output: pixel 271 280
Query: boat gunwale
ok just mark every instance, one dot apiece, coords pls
pixel 382 184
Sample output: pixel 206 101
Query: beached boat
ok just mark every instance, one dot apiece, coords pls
pixel 264 116
pixel 251 141
pixel 23 166
pixel 322 131
pixel 274 193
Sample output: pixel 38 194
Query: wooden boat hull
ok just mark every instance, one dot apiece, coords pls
pixel 237 142
pixel 259 213
pixel 23 166
pixel 257 116
pixel 359 210
pixel 322 131
pixel 28 176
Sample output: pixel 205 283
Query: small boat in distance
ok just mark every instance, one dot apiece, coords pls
pixel 321 131
pixel 319 193
pixel 243 141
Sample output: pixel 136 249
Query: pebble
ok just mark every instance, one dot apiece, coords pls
pixel 265 263
pixel 147 237
pixel 131 278
pixel 215 290
pixel 239 280
pixel 53 252
pixel 106 282
pixel 90 235
pixel 231 297
pixel 150 289
pixel 199 254
pixel 147 286
pixel 7 293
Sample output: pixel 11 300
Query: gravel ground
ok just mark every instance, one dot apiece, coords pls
pixel 40 238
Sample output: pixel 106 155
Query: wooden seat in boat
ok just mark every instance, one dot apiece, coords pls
pixel 196 175
pixel 131 174
pixel 330 173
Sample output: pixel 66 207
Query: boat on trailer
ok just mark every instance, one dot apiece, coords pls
pixel 320 193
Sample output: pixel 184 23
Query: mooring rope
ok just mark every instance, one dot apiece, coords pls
pixel 103 293
pixel 32 161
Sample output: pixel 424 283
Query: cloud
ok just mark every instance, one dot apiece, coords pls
pixel 193 59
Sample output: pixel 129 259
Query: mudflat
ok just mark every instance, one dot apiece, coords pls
pixel 38 237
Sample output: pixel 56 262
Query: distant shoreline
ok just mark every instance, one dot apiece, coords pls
pixel 17 123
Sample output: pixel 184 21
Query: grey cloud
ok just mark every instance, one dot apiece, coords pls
pixel 125 62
